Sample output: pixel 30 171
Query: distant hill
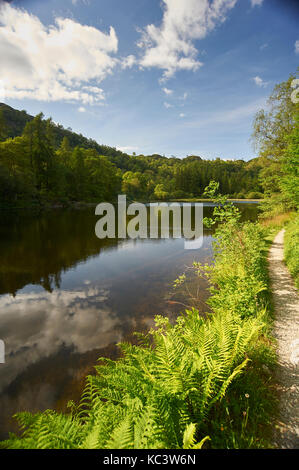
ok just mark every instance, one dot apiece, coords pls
pixel 16 120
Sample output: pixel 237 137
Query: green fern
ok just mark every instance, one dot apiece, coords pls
pixel 189 441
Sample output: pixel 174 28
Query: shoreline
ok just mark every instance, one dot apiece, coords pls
pixel 209 200
pixel 82 204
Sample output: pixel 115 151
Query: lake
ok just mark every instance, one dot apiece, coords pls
pixel 67 298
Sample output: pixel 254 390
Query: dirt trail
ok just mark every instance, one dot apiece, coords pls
pixel 286 331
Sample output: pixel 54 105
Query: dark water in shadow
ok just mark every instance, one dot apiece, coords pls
pixel 66 298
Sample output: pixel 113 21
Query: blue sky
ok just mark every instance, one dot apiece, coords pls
pixel 174 77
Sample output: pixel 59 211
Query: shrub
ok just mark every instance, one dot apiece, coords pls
pixel 254 195
pixel 291 250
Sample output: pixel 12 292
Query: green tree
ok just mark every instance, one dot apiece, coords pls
pixel 4 130
pixel 104 180
pixel 290 166
pixel 39 147
pixel 79 177
pixel 160 192
pixel 64 152
pixel 17 174
pixel 271 129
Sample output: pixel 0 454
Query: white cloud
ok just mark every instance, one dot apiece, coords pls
pixel 182 115
pixel 167 91
pixel 127 149
pixel 259 81
pixel 184 97
pixel 170 46
pixel 2 90
pixel 256 3
pixel 297 46
pixel 128 62
pixel 85 2
pixel 81 109
pixel 168 105
pixel 56 62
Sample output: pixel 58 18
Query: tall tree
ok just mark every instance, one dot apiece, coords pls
pixel 38 139
pixel 3 127
pixel 290 166
pixel 271 129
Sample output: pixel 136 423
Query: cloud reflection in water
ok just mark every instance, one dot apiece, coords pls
pixel 36 325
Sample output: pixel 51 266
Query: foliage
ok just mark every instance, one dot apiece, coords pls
pixel 290 166
pixel 160 192
pixel 235 287
pixel 239 285
pixel 224 211
pixel 291 248
pixel 275 135
pixel 31 169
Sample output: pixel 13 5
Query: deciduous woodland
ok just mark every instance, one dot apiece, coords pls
pixel 41 162
pixel 200 381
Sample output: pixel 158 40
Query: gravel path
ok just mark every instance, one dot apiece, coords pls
pixel 286 331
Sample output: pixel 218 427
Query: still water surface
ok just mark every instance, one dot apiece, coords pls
pixel 67 298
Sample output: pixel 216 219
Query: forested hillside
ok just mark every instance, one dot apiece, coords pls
pixel 40 161
pixel 13 122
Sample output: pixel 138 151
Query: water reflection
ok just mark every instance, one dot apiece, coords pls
pixel 68 297
pixel 39 324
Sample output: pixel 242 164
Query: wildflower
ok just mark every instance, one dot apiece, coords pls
pixel 247 395
pixel 244 413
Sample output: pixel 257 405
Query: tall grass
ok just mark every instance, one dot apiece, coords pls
pixel 291 248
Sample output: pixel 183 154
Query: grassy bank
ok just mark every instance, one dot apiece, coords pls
pixel 194 199
pixel 202 381
pixel 291 249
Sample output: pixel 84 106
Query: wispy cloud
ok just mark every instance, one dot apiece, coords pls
pixel 168 105
pixel 264 46
pixel 167 91
pixel 128 148
pixel 256 3
pixel 170 46
pixel 260 82
pixel 85 2
pixel 297 46
pixel 228 116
